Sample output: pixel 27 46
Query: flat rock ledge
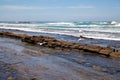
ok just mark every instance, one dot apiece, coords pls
pixel 54 43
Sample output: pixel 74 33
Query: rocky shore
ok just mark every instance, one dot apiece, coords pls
pixel 54 43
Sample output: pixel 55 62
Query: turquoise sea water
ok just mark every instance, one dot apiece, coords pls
pixel 97 30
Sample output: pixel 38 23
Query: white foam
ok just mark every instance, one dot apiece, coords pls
pixel 102 37
pixel 95 36
pixel 18 25
pixel 118 24
pixel 65 32
pixel 103 30
pixel 65 24
pixel 90 31
pixel 61 24
pixel 113 22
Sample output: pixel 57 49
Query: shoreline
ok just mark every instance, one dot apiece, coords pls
pixel 70 38
pixel 54 43
pixel 32 61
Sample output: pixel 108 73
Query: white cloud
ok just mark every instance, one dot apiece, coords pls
pixel 81 7
pixel 13 7
pixel 7 0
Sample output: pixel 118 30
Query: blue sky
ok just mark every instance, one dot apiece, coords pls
pixel 59 10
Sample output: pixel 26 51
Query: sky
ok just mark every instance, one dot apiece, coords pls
pixel 59 10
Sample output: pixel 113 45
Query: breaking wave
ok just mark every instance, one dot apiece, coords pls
pixel 97 30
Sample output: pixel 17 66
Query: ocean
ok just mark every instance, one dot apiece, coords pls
pixel 64 64
pixel 104 30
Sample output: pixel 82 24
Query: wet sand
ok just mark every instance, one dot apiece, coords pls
pixel 23 61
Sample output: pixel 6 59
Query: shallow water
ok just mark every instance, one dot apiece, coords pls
pixel 30 62
pixel 96 42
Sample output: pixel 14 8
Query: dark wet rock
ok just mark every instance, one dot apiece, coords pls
pixel 85 37
pixel 12 35
pixel 54 43
pixel 96 67
pixel 80 60
pixel 32 52
pixel 65 79
pixel 10 78
pixel 33 79
pixel 23 22
pixel 6 72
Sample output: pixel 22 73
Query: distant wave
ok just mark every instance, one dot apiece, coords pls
pixel 94 23
pixel 97 30
pixel 70 33
pixel 61 24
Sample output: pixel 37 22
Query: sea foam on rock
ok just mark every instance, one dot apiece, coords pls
pixel 54 43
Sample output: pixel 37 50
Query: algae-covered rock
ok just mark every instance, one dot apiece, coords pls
pixel 115 54
pixel 94 49
pixel 54 43
pixel 106 51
